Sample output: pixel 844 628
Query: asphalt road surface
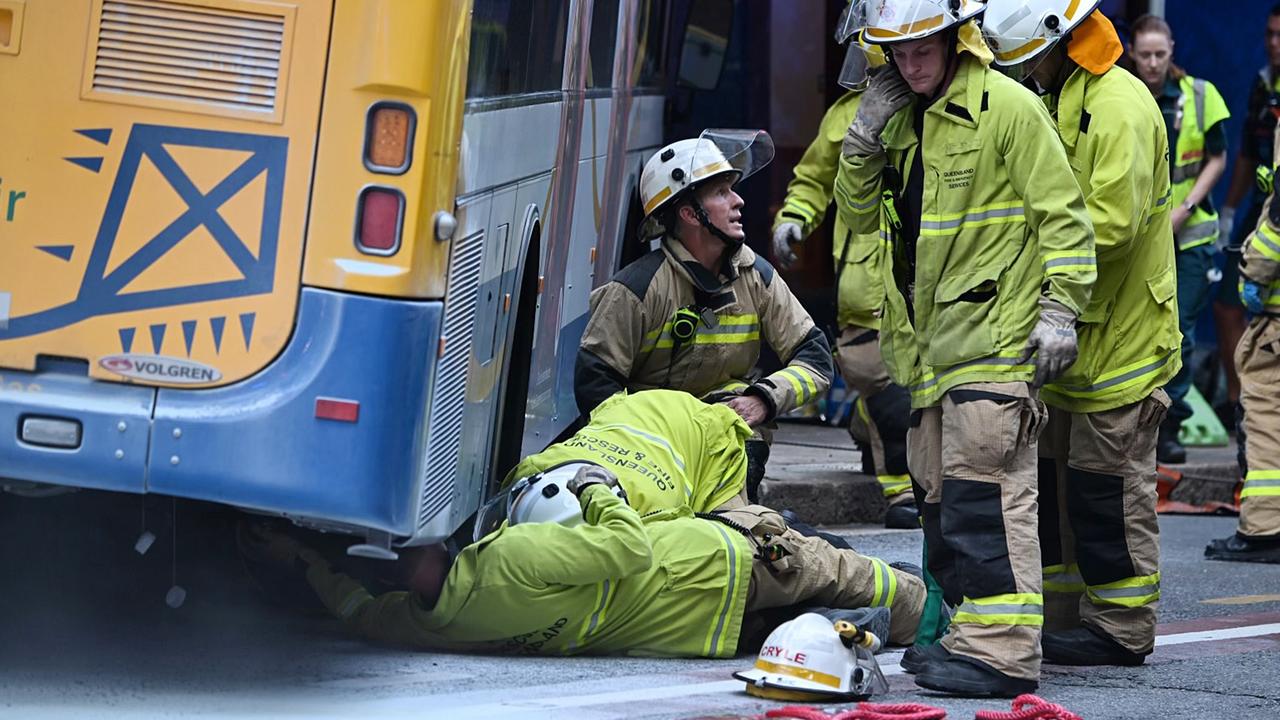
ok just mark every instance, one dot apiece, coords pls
pixel 85 633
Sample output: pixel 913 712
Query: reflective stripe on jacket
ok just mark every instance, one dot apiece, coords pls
pixel 629 342
pixel 668 449
pixel 1202 108
pixel 860 295
pixel 671 585
pixel 1129 342
pixel 1001 218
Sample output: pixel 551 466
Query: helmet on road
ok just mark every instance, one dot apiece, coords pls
pixel 1020 30
pixel 683 165
pixel 543 497
pixel 811 660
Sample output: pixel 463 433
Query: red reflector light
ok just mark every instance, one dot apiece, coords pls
pixel 381 215
pixel 340 410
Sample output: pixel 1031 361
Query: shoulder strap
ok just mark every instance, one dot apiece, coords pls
pixel 1197 88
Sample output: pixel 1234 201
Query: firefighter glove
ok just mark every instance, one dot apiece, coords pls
pixel 1251 296
pixel 787 234
pixel 886 94
pixel 590 475
pixel 1052 342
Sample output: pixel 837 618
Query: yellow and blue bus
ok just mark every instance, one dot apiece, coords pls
pixel 327 259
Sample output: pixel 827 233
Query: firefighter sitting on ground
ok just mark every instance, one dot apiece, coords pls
pixel 570 548
pixel 881 411
pixel 692 315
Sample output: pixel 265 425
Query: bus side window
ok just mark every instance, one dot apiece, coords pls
pixel 650 66
pixel 604 39
pixel 517 47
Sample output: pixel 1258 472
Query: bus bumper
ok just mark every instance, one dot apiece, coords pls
pixel 259 444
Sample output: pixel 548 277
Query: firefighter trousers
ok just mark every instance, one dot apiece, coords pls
pixel 793 569
pixel 974 460
pixel 1099 537
pixel 1258 360
pixel 879 421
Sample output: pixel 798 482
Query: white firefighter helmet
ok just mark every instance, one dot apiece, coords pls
pixel 542 497
pixel 893 21
pixel 1020 30
pixel 684 164
pixel 809 659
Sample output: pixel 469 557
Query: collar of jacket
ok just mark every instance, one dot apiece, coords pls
pixel 1071 106
pixel 687 265
pixel 961 104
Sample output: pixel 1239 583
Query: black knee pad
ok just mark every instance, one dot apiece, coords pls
pixel 1050 531
pixel 890 410
pixel 973 524
pixel 1095 504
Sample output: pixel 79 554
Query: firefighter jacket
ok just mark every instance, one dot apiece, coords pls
pixel 1202 107
pixel 668 449
pixel 1260 262
pixel 671 585
pixel 631 341
pixel 860 294
pixel 1129 343
pixel 1002 222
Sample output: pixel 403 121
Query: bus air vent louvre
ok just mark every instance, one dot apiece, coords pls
pixel 204 59
pixel 448 401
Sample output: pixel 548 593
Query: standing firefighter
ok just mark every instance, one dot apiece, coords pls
pixel 988 260
pixel 1257 539
pixel 691 315
pixel 1194 115
pixel 883 407
pixel 1098 530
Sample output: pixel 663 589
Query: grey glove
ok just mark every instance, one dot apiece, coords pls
pixel 886 94
pixel 590 475
pixel 1052 341
pixel 787 234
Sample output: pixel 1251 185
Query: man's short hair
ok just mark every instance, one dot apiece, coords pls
pixel 1275 10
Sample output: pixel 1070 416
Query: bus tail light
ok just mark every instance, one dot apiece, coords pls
pixel 337 409
pixel 379 221
pixel 388 142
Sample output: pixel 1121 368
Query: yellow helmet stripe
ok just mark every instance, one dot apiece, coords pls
pixel 656 200
pixel 1021 50
pixel 717 166
pixel 929 23
pixel 803 673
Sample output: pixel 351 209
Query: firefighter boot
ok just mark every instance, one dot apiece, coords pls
pixel 918 657
pixel 1245 548
pixel 1087 646
pixel 969 677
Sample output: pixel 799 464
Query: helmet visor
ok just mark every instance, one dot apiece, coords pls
pixel 497 511
pixel 852 20
pixel 853 73
pixel 730 150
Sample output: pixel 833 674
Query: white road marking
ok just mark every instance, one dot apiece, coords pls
pixel 1220 634
pixel 888 664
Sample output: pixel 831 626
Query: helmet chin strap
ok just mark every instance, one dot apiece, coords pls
pixel 730 244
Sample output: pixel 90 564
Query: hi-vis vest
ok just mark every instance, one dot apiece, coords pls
pixel 1202 107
